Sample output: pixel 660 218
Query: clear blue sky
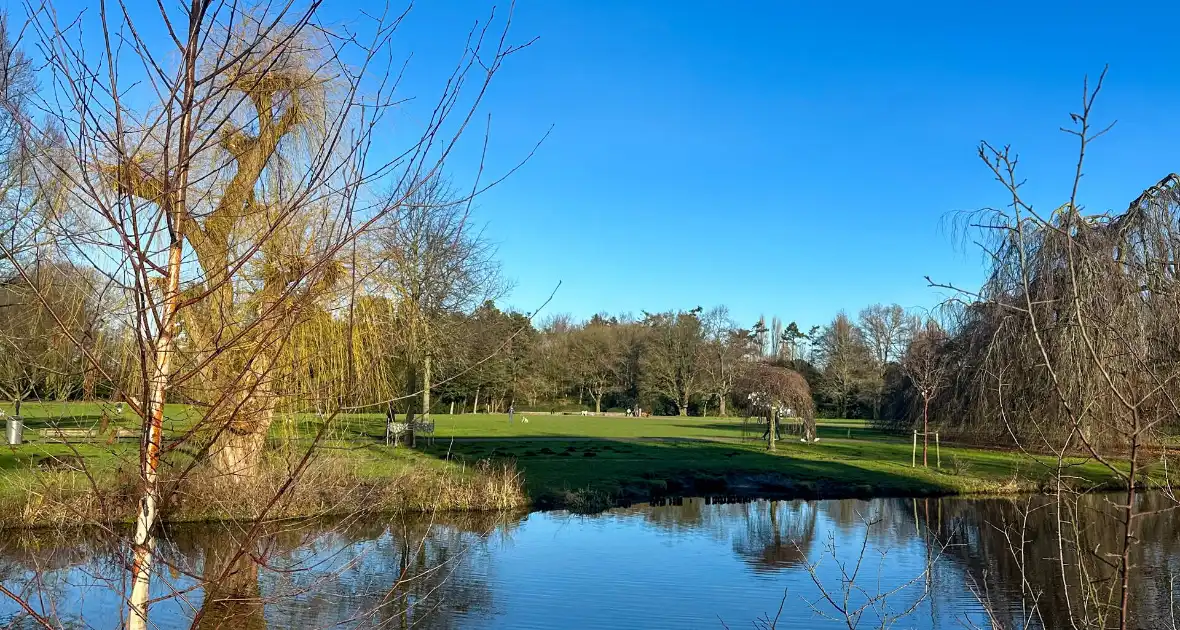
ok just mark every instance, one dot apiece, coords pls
pixel 794 160
pixel 785 159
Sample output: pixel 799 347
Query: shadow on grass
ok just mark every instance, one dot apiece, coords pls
pixel 591 476
pixel 83 421
pixel 754 430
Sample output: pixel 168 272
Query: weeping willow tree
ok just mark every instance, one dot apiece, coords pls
pixel 254 227
pixel 771 391
pixel 38 317
pixel 1085 307
pixel 221 176
pixel 1072 346
pixel 778 535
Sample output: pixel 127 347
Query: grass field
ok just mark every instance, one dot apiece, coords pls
pixel 588 462
pixel 178 418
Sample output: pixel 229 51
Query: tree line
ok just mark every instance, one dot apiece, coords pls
pixel 482 357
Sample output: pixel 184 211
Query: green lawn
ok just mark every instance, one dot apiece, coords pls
pixel 563 459
pixel 836 466
pixel 180 417
pixel 498 426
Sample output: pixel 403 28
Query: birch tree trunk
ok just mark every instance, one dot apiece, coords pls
pixel 149 456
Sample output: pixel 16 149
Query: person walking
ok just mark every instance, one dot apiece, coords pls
pixel 511 410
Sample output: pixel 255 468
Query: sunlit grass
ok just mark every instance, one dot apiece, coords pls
pixel 578 456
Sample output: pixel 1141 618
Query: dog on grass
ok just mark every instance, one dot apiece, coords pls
pixel 524 420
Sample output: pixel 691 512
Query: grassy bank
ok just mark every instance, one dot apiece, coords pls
pixel 593 473
pixel 56 485
pixel 484 462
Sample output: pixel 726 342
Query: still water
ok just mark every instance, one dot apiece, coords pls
pixel 694 564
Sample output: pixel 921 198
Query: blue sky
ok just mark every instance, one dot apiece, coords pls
pixel 794 160
pixel 784 159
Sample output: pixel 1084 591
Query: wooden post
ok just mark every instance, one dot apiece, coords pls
pixel 914 457
pixel 937 450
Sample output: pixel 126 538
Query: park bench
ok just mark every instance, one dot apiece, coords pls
pixel 426 429
pixel 59 434
pixel 398 430
pixel 68 435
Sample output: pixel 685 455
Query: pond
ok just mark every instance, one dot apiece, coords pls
pixel 693 564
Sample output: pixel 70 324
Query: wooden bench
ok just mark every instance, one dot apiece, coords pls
pixel 68 435
pixel 59 434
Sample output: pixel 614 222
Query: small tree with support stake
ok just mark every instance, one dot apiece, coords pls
pixel 926 368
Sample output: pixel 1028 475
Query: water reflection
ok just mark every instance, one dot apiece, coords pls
pixel 686 564
pixel 406 572
pixel 767 535
pixel 989 548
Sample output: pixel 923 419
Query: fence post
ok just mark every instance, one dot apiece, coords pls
pixel 914 456
pixel 937 450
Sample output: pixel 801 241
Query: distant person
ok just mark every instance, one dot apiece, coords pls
pixel 511 411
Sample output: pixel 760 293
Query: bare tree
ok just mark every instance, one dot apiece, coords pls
pixel 727 353
pixel 431 257
pixel 554 358
pixel 672 365
pixel 21 211
pixel 1076 331
pixel 220 182
pixel 925 364
pixel 775 334
pixel 840 348
pixel 39 320
pixel 885 331
pixel 597 351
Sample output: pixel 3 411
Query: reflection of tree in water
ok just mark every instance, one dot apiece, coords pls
pixel 981 531
pixel 35 565
pixel 409 571
pixel 778 534
pixel 687 513
pixel 226 557
pixel 769 535
pixel 437 581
